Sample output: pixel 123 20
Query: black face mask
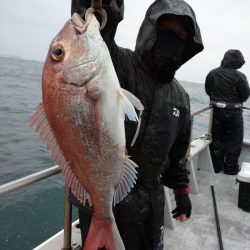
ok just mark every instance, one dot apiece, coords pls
pixel 166 55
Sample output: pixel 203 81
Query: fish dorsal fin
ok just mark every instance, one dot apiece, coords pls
pixel 138 105
pixel 41 123
pixel 127 181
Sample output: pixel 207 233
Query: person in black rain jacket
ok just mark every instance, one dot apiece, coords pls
pixel 169 36
pixel 227 88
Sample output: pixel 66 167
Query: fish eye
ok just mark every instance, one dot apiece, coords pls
pixel 57 53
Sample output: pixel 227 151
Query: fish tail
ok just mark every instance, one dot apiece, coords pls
pixel 103 233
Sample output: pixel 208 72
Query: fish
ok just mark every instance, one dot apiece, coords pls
pixel 81 119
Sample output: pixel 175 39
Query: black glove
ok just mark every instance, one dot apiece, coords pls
pixel 115 13
pixel 183 206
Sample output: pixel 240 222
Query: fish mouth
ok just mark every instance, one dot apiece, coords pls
pixel 79 24
pixel 80 73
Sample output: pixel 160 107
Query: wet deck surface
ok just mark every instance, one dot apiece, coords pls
pixel 200 232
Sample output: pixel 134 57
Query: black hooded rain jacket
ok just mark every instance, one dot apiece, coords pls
pixel 226 83
pixel 227 88
pixel 160 148
pixel 163 139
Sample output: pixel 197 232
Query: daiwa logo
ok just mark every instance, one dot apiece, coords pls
pixel 176 112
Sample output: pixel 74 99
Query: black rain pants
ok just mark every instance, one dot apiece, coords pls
pixel 227 139
pixel 139 218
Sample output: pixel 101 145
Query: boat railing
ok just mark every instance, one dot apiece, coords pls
pixel 32 178
pixel 208 135
pixel 29 179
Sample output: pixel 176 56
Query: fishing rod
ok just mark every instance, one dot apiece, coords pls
pixel 217 219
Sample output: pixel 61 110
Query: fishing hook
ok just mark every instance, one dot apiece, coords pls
pixel 96 6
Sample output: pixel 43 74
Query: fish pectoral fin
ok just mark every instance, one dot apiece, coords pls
pixel 41 123
pixel 129 102
pixel 133 99
pixel 127 181
pixel 138 105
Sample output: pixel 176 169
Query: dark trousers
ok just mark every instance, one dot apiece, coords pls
pixel 227 138
pixel 139 218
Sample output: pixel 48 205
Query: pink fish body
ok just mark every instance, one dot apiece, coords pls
pixel 81 119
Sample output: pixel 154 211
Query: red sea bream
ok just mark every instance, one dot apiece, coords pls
pixel 81 119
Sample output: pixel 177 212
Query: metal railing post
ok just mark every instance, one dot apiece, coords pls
pixel 190 138
pixel 209 131
pixel 67 220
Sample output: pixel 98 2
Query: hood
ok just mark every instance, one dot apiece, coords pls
pixel 233 58
pixel 148 31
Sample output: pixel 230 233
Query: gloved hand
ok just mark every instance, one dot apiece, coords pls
pixel 183 205
pixel 115 13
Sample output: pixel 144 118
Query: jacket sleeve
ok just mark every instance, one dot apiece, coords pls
pixel 208 84
pixel 176 175
pixel 244 90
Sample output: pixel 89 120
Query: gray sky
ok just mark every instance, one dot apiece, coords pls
pixel 28 26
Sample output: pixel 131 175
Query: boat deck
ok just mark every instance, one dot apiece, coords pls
pixel 200 231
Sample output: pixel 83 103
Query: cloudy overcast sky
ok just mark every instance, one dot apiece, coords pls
pixel 28 26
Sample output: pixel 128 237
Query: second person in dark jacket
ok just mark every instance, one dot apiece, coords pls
pixel 227 88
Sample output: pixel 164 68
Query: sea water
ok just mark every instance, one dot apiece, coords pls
pixel 34 213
